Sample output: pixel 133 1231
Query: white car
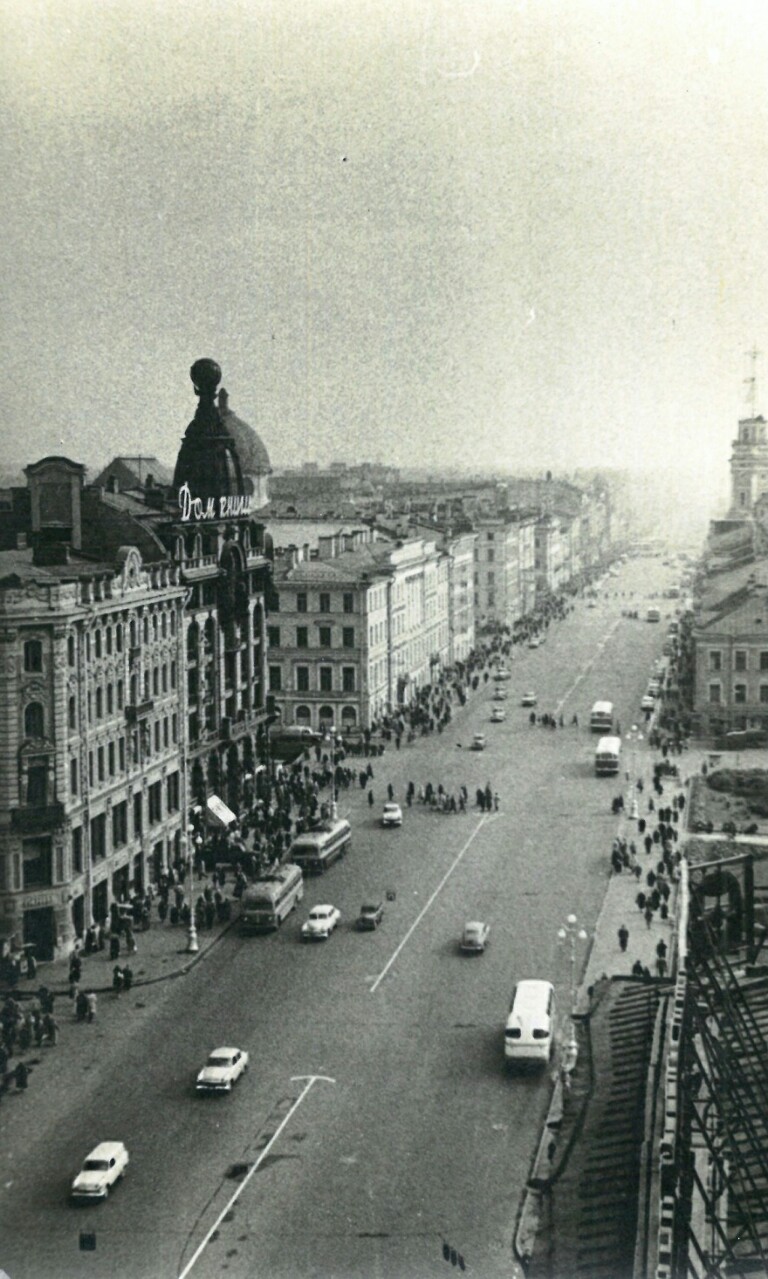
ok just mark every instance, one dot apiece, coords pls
pixel 478 742
pixel 648 702
pixel 103 1167
pixel 502 673
pixel 392 815
pixel 475 937
pixel 499 694
pixel 222 1069
pixel 498 715
pixel 528 699
pixel 321 923
pixel 534 641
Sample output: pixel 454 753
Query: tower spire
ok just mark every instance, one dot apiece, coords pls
pixel 751 381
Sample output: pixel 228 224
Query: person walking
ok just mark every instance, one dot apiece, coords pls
pixel 127 977
pixel 623 935
pixel 370 798
pixel 91 1005
pixel 117 979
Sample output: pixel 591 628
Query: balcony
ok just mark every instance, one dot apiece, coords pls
pixel 139 710
pixel 37 818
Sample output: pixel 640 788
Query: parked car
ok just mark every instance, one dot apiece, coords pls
pixel 321 923
pixel 102 1168
pixel 648 702
pixel 222 1069
pixel 534 641
pixel 371 915
pixel 392 815
pixel 499 694
pixel 498 715
pixel 475 937
pixel 528 699
pixel 478 742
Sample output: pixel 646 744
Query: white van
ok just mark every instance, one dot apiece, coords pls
pixel 529 1034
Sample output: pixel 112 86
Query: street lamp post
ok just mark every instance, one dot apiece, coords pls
pixel 571 933
pixel 192 942
pixel 634 737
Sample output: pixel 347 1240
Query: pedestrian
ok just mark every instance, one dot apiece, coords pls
pixel 648 913
pixel 21 1074
pixel 637 968
pixel 661 965
pixel 370 798
pixel 661 948
pixel 496 801
pixel 117 979
pixel 51 1027
pixel 390 791
pixel 90 999
pixel 640 901
pixel 623 935
pixel 114 946
pixel 127 977
pixel 81 1006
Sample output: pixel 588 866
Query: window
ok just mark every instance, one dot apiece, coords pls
pixel 108 637
pixel 77 850
pixel 120 695
pixel 348 602
pixel 302 679
pixel 165 676
pixel 121 754
pixel 119 638
pixel 33 656
pixel 166 735
pixel 138 813
pixel 302 637
pixel 99 703
pixel 172 789
pixel 274 602
pixel 348 636
pixel 173 671
pixel 157 735
pixel 98 837
pixel 326 679
pixel 73 776
pixel 740 659
pixel 301 602
pixel 348 679
pixel 325 637
pixel 325 602
pixel 97 642
pixel 146 686
pixel 72 713
pixel 120 824
pixel 174 728
pixel 764 661
pixel 275 679
pixel 38 862
pixel 740 694
pixel 764 693
pixel 273 636
pixel 491 578
pixel 90 768
pixel 110 699
pixel 155 798
pixel 491 555
pixel 100 763
pixel 33 720
pixel 111 758
pixel 71 650
pixel 156 681
pixel 489 537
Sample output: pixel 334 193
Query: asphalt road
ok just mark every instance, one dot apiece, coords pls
pixel 377 1120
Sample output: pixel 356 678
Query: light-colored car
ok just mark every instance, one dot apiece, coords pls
pixel 648 702
pixel 392 815
pixel 528 699
pixel 102 1168
pixel 534 641
pixel 502 673
pixel 475 937
pixel 498 715
pixel 222 1069
pixel 321 923
pixel 478 742
pixel 499 694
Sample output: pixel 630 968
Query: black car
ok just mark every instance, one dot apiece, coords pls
pixel 370 915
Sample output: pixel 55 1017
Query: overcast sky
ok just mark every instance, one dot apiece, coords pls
pixel 513 233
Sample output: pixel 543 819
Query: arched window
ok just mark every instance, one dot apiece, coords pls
pixel 348 717
pixel 97 642
pixel 119 638
pixel 71 650
pixel 326 716
pixel 34 720
pixel 193 640
pixel 303 716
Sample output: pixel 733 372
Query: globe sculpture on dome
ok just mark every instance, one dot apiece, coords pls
pixel 207 462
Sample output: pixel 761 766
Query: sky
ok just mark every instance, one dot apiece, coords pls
pixel 510 234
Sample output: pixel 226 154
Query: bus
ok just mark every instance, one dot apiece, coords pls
pixel 608 756
pixel 653 615
pixel 268 900
pixel 315 850
pixel 601 717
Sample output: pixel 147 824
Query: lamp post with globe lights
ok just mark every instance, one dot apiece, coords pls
pixel 570 933
pixel 634 738
pixel 189 841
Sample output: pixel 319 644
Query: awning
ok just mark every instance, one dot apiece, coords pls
pixel 219 813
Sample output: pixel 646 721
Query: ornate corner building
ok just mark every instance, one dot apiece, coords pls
pixel 132 668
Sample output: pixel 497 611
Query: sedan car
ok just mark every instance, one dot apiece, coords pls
pixel 371 915
pixel 528 699
pixel 222 1069
pixel 499 694
pixel 498 715
pixel 648 702
pixel 392 815
pixel 478 742
pixel 103 1167
pixel 321 923
pixel 475 937
pixel 534 641
pixel 502 673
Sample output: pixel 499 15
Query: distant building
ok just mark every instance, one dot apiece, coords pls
pixel 505 568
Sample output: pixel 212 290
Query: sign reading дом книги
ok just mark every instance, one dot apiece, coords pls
pixel 211 508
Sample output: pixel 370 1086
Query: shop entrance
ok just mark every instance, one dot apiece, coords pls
pixel 40 932
pixel 78 916
pixel 101 902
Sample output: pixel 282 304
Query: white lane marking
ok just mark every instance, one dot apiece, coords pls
pixel 586 669
pixel 311 1079
pixel 484 821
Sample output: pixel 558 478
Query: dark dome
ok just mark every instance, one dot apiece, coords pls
pixel 254 458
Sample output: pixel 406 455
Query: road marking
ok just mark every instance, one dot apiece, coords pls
pixel 311 1079
pixel 586 669
pixel 484 821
